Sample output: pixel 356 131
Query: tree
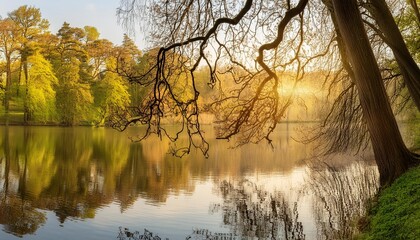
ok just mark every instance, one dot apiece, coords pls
pixel 41 90
pixel 128 57
pixel 111 93
pixel 131 62
pixel 416 11
pixel 99 51
pixel 92 34
pixel 30 26
pixel 74 97
pixel 410 22
pixel 220 35
pixel 392 157
pixel 8 46
pixel 389 32
pixel 344 128
pixel 70 43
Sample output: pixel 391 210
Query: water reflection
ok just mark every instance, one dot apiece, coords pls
pixel 251 211
pixel 341 196
pixel 19 217
pixel 75 173
pixel 17 214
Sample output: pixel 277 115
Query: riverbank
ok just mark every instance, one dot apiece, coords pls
pixel 396 212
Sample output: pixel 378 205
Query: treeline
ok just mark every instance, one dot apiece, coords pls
pixel 74 77
pixel 67 78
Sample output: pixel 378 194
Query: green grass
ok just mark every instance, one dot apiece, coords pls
pixel 396 215
pixel 416 131
pixel 15 110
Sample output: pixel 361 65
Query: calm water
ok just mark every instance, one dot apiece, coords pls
pixel 84 183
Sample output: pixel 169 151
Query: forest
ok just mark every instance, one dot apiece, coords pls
pixel 74 77
pixel 66 78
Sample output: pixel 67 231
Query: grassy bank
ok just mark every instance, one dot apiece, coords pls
pixel 396 215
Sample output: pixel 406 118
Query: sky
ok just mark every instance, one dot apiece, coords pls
pixel 78 13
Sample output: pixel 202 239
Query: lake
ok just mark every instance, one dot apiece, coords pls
pixel 92 183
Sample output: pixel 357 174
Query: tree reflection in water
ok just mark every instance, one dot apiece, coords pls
pixel 251 211
pixel 75 172
pixel 19 217
pixel 16 213
pixel 341 196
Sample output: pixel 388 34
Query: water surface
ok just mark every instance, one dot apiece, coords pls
pixel 84 183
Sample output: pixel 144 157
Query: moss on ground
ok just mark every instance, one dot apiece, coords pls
pixel 396 215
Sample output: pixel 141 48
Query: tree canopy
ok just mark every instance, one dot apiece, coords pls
pixel 66 78
pixel 253 43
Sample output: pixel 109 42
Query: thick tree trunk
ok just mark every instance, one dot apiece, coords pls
pixel 393 38
pixel 391 155
pixel 339 39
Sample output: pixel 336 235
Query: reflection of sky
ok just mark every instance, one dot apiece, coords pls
pixel 291 185
pixel 79 13
pixel 172 205
pixel 174 219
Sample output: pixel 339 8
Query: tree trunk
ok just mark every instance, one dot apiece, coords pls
pixel 391 155
pixel 19 79
pixel 26 113
pixel 8 84
pixel 415 7
pixel 340 43
pixel 393 38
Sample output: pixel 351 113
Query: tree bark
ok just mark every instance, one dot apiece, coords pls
pixel 415 7
pixel 8 84
pixel 26 114
pixel 391 155
pixel 393 38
